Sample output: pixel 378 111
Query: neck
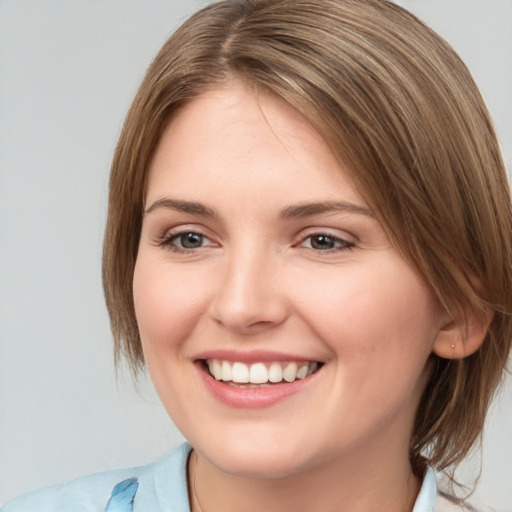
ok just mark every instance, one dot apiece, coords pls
pixel 391 487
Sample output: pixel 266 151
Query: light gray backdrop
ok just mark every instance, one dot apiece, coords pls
pixel 68 70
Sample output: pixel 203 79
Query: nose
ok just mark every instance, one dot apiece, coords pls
pixel 249 296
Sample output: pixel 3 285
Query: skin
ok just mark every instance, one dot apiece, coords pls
pixel 261 280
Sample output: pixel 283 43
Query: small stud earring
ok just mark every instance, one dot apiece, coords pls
pixel 453 345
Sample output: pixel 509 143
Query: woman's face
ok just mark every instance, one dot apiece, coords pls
pixel 260 260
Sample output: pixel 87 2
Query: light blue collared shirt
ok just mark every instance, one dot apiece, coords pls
pixel 158 487
pixel 427 497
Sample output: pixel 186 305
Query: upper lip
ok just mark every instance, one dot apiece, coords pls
pixel 252 356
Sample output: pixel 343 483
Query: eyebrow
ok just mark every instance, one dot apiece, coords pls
pixel 293 211
pixel 308 209
pixel 181 206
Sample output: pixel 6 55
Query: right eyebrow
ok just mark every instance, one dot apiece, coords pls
pixel 309 209
pixel 181 206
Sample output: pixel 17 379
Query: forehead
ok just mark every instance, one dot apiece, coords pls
pixel 248 142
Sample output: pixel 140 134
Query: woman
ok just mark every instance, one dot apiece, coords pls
pixel 308 246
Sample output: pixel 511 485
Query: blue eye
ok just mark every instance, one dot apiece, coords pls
pixel 188 240
pixel 324 242
pixel 184 241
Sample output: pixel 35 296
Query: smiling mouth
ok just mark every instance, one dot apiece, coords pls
pixel 257 375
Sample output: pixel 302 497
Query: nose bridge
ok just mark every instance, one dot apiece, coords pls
pixel 248 296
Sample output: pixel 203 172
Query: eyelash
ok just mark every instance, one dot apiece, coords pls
pixel 340 244
pixel 168 241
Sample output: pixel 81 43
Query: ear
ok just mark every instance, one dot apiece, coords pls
pixel 463 336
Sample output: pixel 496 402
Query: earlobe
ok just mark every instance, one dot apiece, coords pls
pixel 460 338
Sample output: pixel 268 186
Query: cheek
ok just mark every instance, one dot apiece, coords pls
pixel 380 328
pixel 167 304
pixel 383 313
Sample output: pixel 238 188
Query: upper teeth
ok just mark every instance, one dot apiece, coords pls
pixel 260 373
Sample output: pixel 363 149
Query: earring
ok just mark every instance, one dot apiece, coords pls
pixel 453 345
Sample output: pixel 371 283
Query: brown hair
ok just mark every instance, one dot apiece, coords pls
pixel 397 105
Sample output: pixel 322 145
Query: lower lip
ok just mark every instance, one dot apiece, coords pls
pixel 252 398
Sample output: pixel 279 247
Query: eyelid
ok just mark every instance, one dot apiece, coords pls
pixel 340 243
pixel 342 239
pixel 167 238
pixel 185 227
pixel 328 231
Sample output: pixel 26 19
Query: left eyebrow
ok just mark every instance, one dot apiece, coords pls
pixel 182 206
pixel 307 209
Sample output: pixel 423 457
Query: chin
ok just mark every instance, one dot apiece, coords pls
pixel 266 466
pixel 268 459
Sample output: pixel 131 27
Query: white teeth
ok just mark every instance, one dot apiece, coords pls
pixel 226 373
pixel 215 370
pixel 302 371
pixel 240 372
pixel 259 373
pixel 312 368
pixel 290 372
pixel 275 373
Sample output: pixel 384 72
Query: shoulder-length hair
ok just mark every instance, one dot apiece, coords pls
pixel 400 109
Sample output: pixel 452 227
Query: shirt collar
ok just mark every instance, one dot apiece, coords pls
pixel 427 497
pixel 173 469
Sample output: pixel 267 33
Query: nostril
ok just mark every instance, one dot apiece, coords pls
pixel 248 299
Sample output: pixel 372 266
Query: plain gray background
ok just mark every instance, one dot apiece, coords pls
pixel 68 71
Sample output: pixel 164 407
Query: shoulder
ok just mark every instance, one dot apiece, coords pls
pixel 91 493
pixel 88 493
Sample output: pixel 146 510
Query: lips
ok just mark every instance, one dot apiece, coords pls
pixel 255 378
pixel 259 373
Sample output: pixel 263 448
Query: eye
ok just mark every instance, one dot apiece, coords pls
pixel 188 240
pixel 325 242
pixel 185 241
